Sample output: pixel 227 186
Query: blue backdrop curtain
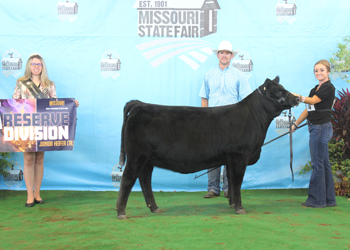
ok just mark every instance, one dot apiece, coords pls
pixel 105 53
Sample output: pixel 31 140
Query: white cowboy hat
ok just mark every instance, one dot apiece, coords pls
pixel 226 46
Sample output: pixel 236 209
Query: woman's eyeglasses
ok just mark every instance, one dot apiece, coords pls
pixel 36 64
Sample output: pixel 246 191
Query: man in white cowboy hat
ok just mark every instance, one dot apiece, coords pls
pixel 222 85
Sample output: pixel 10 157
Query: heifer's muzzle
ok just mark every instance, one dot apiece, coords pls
pixel 282 99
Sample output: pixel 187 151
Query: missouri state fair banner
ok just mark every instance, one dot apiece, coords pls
pixel 106 53
pixel 34 125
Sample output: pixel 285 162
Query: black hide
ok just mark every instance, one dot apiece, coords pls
pixel 190 139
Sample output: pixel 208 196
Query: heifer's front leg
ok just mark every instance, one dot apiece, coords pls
pixel 230 188
pixel 128 180
pixel 235 176
pixel 145 179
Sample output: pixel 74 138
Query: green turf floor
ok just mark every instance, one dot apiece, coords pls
pixel 88 220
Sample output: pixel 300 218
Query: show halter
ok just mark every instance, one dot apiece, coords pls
pixel 281 100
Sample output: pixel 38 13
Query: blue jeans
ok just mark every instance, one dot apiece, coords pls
pixel 321 188
pixel 214 180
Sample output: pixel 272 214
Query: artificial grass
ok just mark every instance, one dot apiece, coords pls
pixel 88 220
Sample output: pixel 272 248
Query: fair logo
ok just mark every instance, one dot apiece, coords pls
pixel 282 122
pixel 11 63
pixel 67 11
pixel 243 62
pixel 286 11
pixel 116 175
pixel 110 64
pixel 176 27
pixel 14 178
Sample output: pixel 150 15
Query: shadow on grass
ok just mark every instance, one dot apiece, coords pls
pixel 4 194
pixel 170 203
pixel 178 204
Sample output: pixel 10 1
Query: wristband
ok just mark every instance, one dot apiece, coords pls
pixel 295 125
pixel 302 98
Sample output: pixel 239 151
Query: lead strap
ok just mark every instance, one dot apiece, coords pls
pixel 291 142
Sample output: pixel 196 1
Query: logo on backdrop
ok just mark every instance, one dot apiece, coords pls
pixel 286 11
pixel 243 62
pixel 67 11
pixel 116 175
pixel 282 122
pixel 14 178
pixel 110 64
pixel 11 63
pixel 179 24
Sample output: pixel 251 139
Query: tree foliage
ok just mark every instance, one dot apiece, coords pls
pixel 4 163
pixel 340 62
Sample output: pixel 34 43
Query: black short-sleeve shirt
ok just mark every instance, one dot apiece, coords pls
pixel 321 112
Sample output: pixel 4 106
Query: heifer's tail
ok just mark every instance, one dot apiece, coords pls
pixel 127 109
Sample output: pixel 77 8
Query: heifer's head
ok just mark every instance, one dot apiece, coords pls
pixel 275 92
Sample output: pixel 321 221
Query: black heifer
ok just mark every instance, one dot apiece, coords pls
pixel 190 139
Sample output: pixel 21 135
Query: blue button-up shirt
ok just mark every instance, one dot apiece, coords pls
pixel 224 87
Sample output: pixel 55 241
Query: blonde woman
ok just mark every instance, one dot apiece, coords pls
pixel 318 114
pixel 35 84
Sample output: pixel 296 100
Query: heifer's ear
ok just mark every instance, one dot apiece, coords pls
pixel 276 80
pixel 264 87
pixel 267 81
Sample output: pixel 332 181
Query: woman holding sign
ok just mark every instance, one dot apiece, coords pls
pixel 318 113
pixel 35 84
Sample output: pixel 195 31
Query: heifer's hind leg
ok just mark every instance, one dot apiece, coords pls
pixel 145 179
pixel 128 181
pixel 235 176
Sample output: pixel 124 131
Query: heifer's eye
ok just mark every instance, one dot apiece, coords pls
pixel 279 93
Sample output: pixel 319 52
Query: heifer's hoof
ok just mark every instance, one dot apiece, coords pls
pixel 122 217
pixel 232 205
pixel 157 211
pixel 241 211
